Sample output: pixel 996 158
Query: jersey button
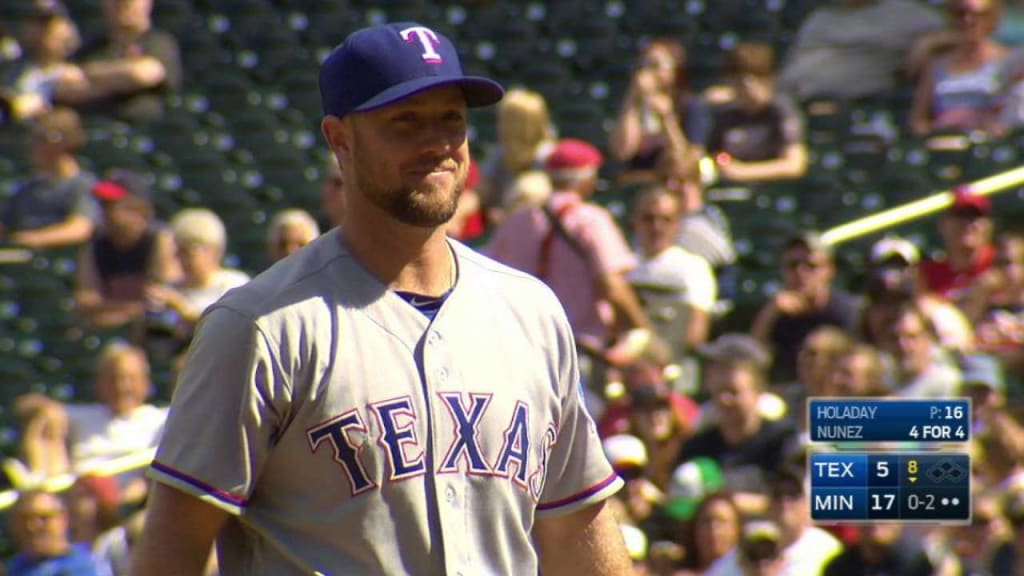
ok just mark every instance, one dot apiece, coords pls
pixel 434 338
pixel 449 494
pixel 442 375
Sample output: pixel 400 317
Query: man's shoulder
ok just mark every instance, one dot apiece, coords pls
pixel 311 273
pixel 495 276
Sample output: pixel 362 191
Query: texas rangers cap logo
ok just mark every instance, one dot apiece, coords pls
pixel 427 38
pixel 382 64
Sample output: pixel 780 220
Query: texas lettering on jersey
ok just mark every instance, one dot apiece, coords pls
pixel 396 419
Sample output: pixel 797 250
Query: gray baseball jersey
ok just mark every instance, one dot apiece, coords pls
pixel 348 434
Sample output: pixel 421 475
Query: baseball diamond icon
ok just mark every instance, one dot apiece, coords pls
pixel 946 470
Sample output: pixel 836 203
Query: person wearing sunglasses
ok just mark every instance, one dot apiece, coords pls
pixel 808 300
pixel 40 526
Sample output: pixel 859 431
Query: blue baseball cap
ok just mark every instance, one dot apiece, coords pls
pixel 382 64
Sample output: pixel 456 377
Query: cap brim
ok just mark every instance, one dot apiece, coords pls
pixel 479 91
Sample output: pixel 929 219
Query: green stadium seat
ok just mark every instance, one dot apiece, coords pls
pixel 175 16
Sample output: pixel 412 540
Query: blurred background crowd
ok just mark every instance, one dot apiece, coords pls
pixel 666 166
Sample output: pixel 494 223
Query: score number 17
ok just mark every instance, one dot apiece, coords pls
pixel 882 501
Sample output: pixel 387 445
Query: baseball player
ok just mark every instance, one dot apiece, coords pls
pixel 385 400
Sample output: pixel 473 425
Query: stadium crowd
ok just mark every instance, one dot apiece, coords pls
pixel 701 407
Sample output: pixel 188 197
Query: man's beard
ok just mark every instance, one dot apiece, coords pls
pixel 416 208
pixel 425 208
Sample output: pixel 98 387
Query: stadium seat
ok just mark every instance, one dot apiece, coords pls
pixel 585 119
pixel 175 16
pixel 596 42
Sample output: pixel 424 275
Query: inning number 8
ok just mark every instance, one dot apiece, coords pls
pixel 912 467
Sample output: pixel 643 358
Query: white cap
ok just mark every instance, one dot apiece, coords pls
pixel 636 542
pixel 891 246
pixel 625 450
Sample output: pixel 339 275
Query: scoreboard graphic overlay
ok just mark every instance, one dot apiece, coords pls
pixel 861 478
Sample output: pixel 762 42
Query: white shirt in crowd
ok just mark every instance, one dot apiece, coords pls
pixel 96 434
pixel 682 271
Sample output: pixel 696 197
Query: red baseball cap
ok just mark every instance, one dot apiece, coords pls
pixel 967 203
pixel 573 154
pixel 120 184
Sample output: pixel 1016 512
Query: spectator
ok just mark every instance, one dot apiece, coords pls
pixel 576 247
pixel 40 527
pixel 526 137
pixel 676 287
pixel 467 223
pixel 804 549
pixel 122 422
pixel 758 135
pixel 55 207
pixel 860 372
pixel 628 457
pixel 883 549
pixel 759 550
pixel 93 507
pixel 174 309
pixel 32 83
pixel 807 301
pixel 974 545
pixel 715 531
pixel 658 112
pixel 748 446
pixel 129 251
pixel 769 405
pixel 42 447
pixel 691 483
pixel 1000 466
pixel 984 382
pixel 854 48
pixel 113 549
pixel 966 230
pixel 815 365
pixel 332 198
pixel 894 276
pixel 704 228
pixel 131 69
pixel 661 418
pixel 652 409
pixel 531 188
pixel 962 90
pixel 995 302
pixel 923 368
pixel 289 231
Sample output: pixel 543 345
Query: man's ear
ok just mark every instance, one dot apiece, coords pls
pixel 336 132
